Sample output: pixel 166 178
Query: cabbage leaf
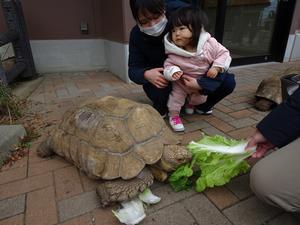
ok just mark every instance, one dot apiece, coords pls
pixel 216 160
pixel 132 212
pixel 148 197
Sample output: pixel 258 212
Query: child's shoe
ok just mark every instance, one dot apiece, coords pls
pixel 176 123
pixel 204 112
pixel 189 109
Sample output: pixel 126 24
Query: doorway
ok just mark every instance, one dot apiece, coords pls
pixel 253 30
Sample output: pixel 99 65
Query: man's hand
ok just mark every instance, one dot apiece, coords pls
pixel 177 75
pixel 191 83
pixel 155 77
pixel 263 145
pixel 213 72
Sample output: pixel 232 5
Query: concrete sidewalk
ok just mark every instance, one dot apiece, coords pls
pixel 37 191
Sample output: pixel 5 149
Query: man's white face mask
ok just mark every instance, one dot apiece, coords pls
pixel 155 30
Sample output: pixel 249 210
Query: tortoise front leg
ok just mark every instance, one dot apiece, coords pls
pixel 121 190
pixel 158 173
pixel 45 150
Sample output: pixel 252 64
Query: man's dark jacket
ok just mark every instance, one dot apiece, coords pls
pixel 148 52
pixel 282 125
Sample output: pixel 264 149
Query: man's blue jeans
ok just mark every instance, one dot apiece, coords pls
pixel 227 86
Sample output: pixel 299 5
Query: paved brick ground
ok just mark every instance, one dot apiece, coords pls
pixel 38 191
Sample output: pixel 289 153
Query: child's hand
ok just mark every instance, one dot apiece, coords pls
pixel 213 72
pixel 177 75
pixel 155 77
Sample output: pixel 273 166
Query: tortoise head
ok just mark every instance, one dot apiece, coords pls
pixel 174 156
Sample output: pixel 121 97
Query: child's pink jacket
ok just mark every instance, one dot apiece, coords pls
pixel 209 53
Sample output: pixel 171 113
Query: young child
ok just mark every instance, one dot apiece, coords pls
pixel 191 52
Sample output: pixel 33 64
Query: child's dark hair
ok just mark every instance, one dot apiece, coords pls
pixel 156 7
pixel 193 18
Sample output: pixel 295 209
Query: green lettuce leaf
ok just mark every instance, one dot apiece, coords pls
pixel 216 160
pixel 179 180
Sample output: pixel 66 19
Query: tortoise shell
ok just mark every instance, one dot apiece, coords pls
pixel 112 137
pixel 270 89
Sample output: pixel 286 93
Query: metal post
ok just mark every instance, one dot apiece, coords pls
pixel 13 14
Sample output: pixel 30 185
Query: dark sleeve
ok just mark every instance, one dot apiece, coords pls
pixel 282 125
pixel 136 62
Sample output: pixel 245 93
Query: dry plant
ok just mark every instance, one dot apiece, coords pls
pixel 8 104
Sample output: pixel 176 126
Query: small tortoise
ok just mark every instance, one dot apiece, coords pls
pixel 268 93
pixel 114 139
pixel 271 91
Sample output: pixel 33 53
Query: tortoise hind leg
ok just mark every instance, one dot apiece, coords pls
pixel 44 150
pixel 121 190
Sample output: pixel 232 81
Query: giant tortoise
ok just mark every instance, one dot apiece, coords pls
pixel 113 139
pixel 273 90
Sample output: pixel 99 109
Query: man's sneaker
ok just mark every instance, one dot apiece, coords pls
pixel 202 112
pixel 176 123
pixel 189 109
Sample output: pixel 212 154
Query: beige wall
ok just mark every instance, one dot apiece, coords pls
pixel 117 20
pixel 112 15
pixel 128 19
pixel 60 19
pixel 296 18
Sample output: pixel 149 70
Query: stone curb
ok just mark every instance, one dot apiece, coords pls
pixel 9 136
